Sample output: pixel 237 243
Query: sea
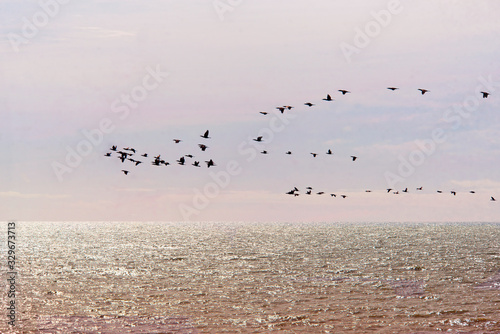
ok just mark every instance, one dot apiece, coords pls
pixel 241 277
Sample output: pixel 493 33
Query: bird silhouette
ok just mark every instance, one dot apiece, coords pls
pixel 405 190
pixel 138 162
pixel 389 190
pixel 309 104
pixel 440 191
pixel 113 148
pixel 177 141
pixel 181 161
pixel 125 171
pixel 454 193
pixel 263 113
pixel 203 147
pixel 472 192
pixel 329 151
pixel 258 138
pixel 419 188
pixel 264 152
pixel 188 155
pixel 282 109
pixel 368 191
pixel 333 195
pixel 314 155
pixel 196 164
pixel 343 196
pixel 392 88
pixel 423 91
pixel 288 107
pixel 107 155
pixel 205 135
pixel 492 199
pixel 308 192
pixel 485 94
pixel 328 98
pixel 353 158
pixel 145 155
pixel 210 163
pixel 288 152
pixel 343 91
pixel 320 193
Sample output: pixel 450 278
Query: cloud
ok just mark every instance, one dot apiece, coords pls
pixel 15 194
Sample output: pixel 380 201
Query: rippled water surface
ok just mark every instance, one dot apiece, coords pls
pixel 257 278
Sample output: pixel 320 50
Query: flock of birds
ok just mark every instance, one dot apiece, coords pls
pixel 126 154
pixel 295 192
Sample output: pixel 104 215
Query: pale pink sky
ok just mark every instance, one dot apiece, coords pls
pixel 225 65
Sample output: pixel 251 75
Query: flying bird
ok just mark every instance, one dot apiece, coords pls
pixel 205 135
pixel 454 193
pixel 343 196
pixel 320 193
pixel 203 147
pixel 389 190
pixel 263 113
pixel 492 199
pixel 472 192
pixel 288 107
pixel 419 188
pixel 308 192
pixel 333 195
pixel 353 158
pixel 107 155
pixel 405 190
pixel 259 138
pixel 440 191
pixel 329 151
pixel 328 98
pixel 282 109
pixel 181 161
pixel 288 152
pixel 485 94
pixel 343 91
pixel 196 164
pixel 138 162
pixel 314 155
pixel 125 171
pixel 113 148
pixel 423 91
pixel 145 155
pixel 392 88
pixel 309 104
pixel 177 141
pixel 264 152
pixel 210 163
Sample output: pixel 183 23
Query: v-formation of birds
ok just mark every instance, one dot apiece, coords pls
pixel 127 153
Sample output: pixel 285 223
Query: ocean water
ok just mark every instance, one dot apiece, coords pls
pixel 112 277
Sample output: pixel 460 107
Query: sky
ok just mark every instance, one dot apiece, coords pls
pixel 79 77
